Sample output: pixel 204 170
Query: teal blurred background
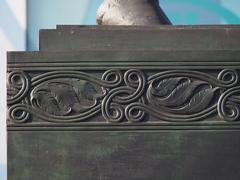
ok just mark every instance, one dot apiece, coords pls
pixel 48 13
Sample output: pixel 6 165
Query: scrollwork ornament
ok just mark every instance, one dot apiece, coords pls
pixel 18 113
pixel 112 111
pixel 135 114
pixel 123 96
pixel 18 86
pixel 228 78
pixel 229 105
pixel 112 78
pixel 114 102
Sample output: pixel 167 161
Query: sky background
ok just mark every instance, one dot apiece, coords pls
pixel 20 21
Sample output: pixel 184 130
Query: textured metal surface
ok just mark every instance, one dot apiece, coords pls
pixel 117 114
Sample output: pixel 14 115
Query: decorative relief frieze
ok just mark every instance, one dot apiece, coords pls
pixel 123 96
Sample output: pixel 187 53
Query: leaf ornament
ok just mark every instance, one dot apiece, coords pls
pixel 65 97
pixel 180 95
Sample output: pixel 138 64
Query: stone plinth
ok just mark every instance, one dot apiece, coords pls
pixel 126 103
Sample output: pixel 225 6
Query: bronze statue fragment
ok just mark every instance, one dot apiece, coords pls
pixel 131 12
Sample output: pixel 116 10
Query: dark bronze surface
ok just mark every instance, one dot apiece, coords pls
pixel 74 38
pixel 124 155
pixel 99 114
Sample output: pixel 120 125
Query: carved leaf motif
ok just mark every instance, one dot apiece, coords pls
pixel 180 94
pixel 166 86
pixel 184 96
pixel 47 101
pixel 199 101
pixel 65 97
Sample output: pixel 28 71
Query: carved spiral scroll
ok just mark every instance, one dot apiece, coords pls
pixel 18 113
pixel 112 104
pixel 18 86
pixel 111 78
pixel 229 104
pixel 228 78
